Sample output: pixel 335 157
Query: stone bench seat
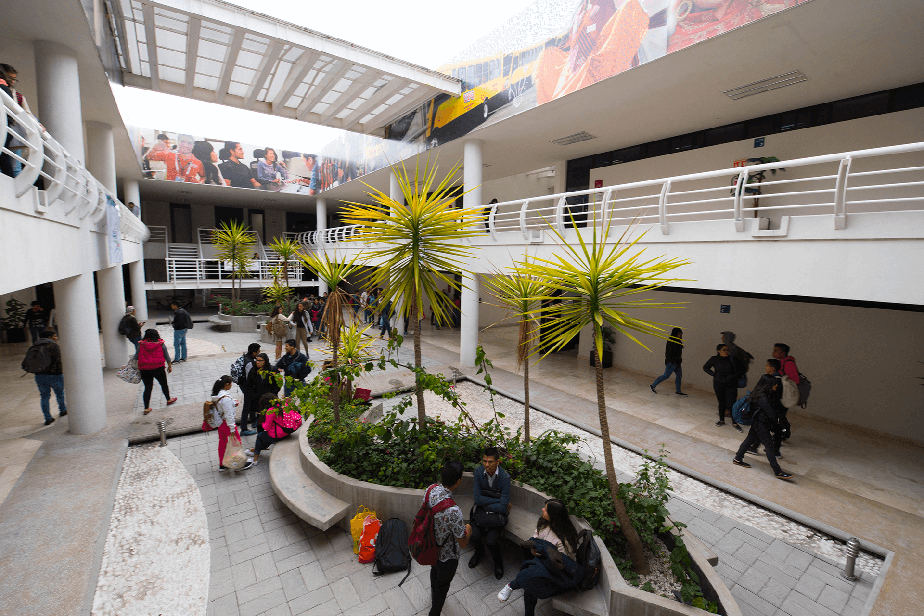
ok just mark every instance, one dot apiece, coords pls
pixel 217 320
pixel 298 492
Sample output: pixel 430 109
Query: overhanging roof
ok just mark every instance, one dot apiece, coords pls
pixel 217 52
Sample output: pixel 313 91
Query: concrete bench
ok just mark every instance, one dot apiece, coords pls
pixel 218 321
pixel 297 491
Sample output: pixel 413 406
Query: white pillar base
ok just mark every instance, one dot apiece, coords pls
pixel 79 340
pixel 468 343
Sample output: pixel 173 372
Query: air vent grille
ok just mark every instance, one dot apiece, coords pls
pixel 575 138
pixel 765 85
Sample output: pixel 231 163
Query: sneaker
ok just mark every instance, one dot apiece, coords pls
pixel 222 468
pixel 720 423
pixel 680 393
pixel 62 414
pixel 504 593
pixel 249 464
pixel 248 432
pixel 738 428
pixel 783 475
pixel 252 463
pixel 651 387
pixel 741 463
pixel 249 452
pixel 49 421
pixel 171 401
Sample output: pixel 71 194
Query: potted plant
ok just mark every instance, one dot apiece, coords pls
pixel 12 323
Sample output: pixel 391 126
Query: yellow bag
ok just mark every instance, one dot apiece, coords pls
pixel 356 526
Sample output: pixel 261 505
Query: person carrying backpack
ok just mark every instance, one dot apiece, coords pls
pixel 450 531
pixel 282 419
pixel 130 327
pixel 544 573
pixel 765 419
pixel 181 322
pixel 240 371
pixel 43 360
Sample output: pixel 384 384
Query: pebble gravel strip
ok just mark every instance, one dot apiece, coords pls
pixel 478 405
pixel 156 558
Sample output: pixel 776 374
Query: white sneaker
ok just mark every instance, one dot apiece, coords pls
pixel 504 593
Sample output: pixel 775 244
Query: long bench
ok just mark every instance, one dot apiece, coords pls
pixel 218 321
pixel 323 498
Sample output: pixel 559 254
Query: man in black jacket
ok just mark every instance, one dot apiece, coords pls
pixel 181 322
pixel 724 382
pixel 248 415
pixel 35 321
pixel 52 378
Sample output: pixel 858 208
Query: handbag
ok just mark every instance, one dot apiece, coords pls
pixel 235 458
pixel 480 516
pixel 129 372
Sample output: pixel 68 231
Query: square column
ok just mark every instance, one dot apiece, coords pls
pixel 80 360
pixel 471 174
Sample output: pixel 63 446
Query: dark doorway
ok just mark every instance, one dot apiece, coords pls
pixel 180 224
pixel 300 222
pixel 45 295
pixel 544 331
pixel 228 215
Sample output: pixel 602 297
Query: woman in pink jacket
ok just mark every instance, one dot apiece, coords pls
pixel 152 357
pixel 282 419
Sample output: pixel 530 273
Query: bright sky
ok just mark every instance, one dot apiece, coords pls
pixel 423 32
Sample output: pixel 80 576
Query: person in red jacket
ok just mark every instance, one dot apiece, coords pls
pixel 152 357
pixel 787 363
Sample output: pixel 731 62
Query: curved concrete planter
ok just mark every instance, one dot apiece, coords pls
pixel 244 324
pixel 619 597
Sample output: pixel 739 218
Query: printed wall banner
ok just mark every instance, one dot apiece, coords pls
pixel 113 231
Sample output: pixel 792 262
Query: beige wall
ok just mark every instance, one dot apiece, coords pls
pixel 863 362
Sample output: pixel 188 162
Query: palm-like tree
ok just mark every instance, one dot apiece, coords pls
pixel 287 250
pixel 518 293
pixel 333 273
pixel 276 293
pixel 420 243
pixel 596 282
pixel 233 243
pixel 355 344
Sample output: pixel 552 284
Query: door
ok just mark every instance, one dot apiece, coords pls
pixel 257 224
pixel 228 214
pixel 180 224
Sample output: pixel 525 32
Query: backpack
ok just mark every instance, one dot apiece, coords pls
pixel 210 416
pixel 38 358
pixel 743 411
pixel 422 542
pixel 805 388
pixel 280 327
pixel 391 549
pixel 239 369
pixel 189 321
pixel 303 371
pixel 588 557
pixel 790 397
pixel 123 326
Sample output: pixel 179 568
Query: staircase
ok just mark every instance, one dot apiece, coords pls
pixel 182 262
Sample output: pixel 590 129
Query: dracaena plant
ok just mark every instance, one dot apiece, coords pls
pixel 234 244
pixel 416 242
pixel 287 250
pixel 594 283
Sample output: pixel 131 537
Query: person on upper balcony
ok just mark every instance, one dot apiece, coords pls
pixel 235 172
pixel 180 162
pixel 271 173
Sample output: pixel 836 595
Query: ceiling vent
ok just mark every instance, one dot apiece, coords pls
pixel 575 138
pixel 765 85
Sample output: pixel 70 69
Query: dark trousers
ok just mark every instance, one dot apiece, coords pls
pixel 147 377
pixel 726 394
pixel 760 433
pixel 249 413
pixel 264 440
pixel 529 600
pixel 441 575
pixel 778 435
pixel 482 536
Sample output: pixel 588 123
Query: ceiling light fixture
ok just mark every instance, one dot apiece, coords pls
pixel 765 85
pixel 575 138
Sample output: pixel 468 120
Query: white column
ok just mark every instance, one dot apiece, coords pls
pixel 57 82
pixel 321 213
pixel 79 340
pixel 471 174
pixel 139 292
pixel 101 154
pixel 131 193
pixel 111 311
pixel 394 191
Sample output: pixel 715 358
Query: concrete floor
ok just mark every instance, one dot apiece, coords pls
pixel 58 488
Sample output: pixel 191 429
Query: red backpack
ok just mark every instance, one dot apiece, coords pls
pixel 422 542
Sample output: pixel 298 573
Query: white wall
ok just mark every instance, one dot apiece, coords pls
pixel 863 362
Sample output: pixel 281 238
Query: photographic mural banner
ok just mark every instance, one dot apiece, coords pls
pixel 553 48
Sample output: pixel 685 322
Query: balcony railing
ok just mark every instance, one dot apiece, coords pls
pixel 68 186
pixel 186 270
pixel 837 185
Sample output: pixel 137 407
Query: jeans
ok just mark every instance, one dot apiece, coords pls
pixel 135 340
pixel 529 600
pixel 264 440
pixel 34 332
pixel 386 326
pixel 668 369
pixel 47 382
pixel 441 575
pixel 179 344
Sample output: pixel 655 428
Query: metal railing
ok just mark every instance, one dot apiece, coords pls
pixel 837 185
pixel 185 270
pixel 68 187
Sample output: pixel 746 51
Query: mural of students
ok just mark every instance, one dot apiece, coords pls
pixel 235 172
pixel 179 161
pixel 271 173
pixel 207 171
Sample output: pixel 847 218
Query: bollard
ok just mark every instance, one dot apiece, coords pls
pixel 853 549
pixel 162 427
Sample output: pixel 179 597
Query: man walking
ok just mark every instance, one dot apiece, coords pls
pixel 492 505
pixel 35 321
pixel 43 359
pixel 292 364
pixel 181 322
pixel 131 328
pixel 452 534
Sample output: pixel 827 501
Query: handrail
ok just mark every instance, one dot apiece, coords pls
pixel 179 268
pixel 68 187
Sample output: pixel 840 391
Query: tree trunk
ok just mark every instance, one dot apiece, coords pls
pixel 526 400
pixel 418 390
pixel 636 553
pixel 333 335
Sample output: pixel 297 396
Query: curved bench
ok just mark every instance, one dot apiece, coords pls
pixel 219 322
pixel 320 493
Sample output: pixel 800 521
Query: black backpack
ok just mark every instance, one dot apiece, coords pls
pixel 588 557
pixel 391 549
pixel 304 369
pixel 38 358
pixel 239 369
pixel 123 326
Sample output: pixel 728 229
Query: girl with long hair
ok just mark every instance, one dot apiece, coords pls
pixel 224 405
pixel 766 419
pixel 261 381
pixel 278 326
pixel 303 327
pixel 152 358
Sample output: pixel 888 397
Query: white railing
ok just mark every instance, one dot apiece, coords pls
pixel 158 234
pixel 876 180
pixel 180 270
pixel 68 186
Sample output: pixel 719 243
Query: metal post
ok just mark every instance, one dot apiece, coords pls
pixel 853 549
pixel 162 428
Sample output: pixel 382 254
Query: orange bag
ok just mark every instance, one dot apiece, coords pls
pixel 371 527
